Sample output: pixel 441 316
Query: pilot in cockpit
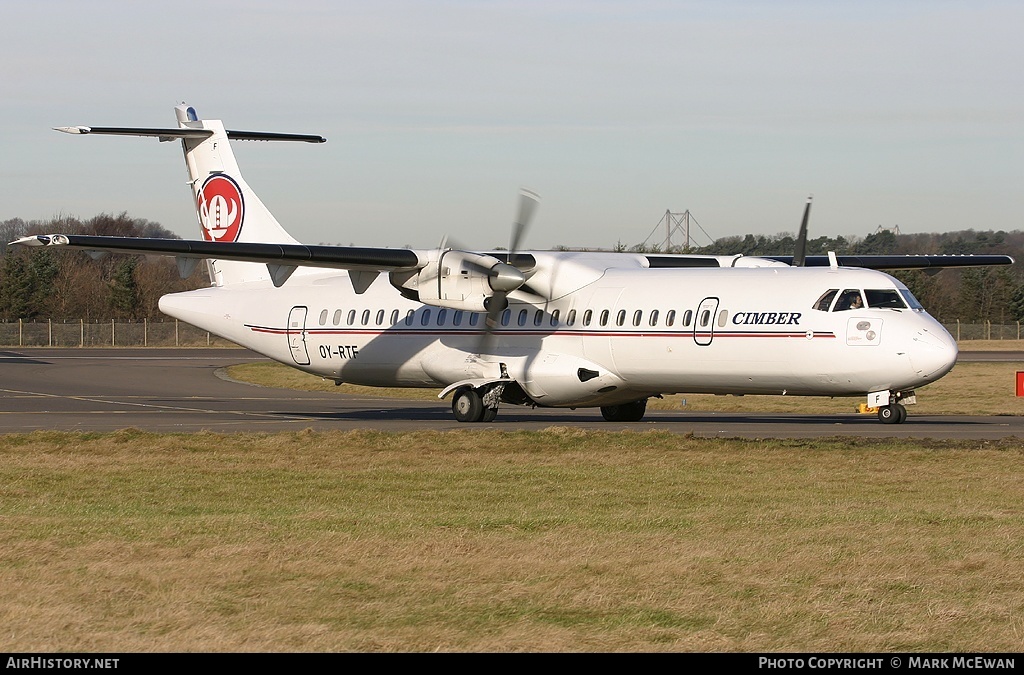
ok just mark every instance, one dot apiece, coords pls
pixel 850 299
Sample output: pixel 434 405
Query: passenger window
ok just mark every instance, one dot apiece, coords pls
pixel 538 318
pixel 351 318
pixel 654 317
pixel 394 317
pixel 670 317
pixel 441 314
pixel 366 317
pixel 380 316
pixel 457 317
pixel 825 301
pixel 425 317
pixel 638 316
pixel 505 316
pixel 723 316
pixel 554 318
pixel 474 318
pixel 885 298
pixel 571 319
pixel 522 317
pixel 687 317
pixel 705 318
pixel 850 299
pixel 323 318
pixel 408 317
pixel 337 317
pixel 587 316
pixel 604 317
pixel 620 318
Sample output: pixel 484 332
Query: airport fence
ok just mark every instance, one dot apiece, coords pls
pixel 111 333
pixel 176 333
pixel 984 331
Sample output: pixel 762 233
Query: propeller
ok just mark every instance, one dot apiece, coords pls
pixel 505 278
pixel 800 257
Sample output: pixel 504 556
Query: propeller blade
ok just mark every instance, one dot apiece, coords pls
pixel 800 256
pixel 506 278
pixel 496 304
pixel 525 289
pixel 528 201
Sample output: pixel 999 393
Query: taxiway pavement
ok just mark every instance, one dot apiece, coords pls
pixel 179 390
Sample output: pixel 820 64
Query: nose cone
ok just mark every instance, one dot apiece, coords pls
pixel 933 353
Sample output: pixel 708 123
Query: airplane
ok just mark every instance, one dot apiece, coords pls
pixel 562 329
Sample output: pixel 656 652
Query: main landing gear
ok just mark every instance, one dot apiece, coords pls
pixel 626 412
pixel 480 404
pixel 469 406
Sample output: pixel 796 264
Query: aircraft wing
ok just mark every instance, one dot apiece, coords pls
pixel 295 255
pixel 387 259
pixel 899 262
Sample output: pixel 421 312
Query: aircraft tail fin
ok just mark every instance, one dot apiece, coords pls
pixel 227 209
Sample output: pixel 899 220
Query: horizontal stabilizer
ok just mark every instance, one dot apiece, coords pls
pixel 162 134
pixel 172 134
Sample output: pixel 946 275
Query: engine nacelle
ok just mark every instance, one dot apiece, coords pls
pixel 454 279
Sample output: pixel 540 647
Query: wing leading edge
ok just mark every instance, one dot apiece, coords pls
pixel 899 262
pixel 336 257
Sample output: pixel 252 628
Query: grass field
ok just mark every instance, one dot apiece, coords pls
pixel 560 540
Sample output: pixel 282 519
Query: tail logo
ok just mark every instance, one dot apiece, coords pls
pixel 220 208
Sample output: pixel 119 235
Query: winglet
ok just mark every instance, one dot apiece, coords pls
pixel 34 240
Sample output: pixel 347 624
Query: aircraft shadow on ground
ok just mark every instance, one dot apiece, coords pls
pixel 509 414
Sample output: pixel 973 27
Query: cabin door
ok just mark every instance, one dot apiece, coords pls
pixel 297 335
pixel 704 321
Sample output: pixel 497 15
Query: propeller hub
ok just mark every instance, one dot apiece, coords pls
pixel 505 278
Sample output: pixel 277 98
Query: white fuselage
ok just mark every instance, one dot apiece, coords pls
pixel 614 331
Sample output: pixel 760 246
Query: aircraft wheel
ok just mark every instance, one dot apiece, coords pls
pixel 902 410
pixel 890 414
pixel 467 406
pixel 489 414
pixel 627 412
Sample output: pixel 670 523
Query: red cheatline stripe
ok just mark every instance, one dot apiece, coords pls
pixel 525 333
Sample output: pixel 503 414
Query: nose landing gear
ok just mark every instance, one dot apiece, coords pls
pixel 894 413
pixel 891 404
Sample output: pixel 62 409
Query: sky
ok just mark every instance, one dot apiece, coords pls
pixel 904 114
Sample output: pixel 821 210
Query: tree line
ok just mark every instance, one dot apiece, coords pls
pixel 69 285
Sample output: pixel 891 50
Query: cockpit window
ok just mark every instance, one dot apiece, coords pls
pixel 887 298
pixel 850 299
pixel 825 301
pixel 911 300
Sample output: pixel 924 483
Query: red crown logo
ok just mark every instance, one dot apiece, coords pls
pixel 221 208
